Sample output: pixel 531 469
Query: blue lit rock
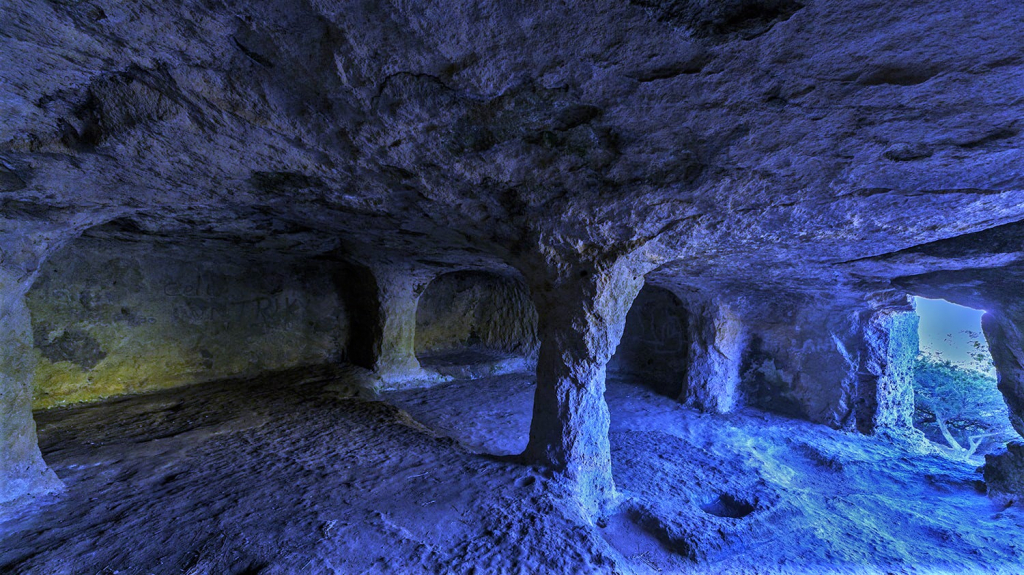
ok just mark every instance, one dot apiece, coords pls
pixel 1004 473
pixel 803 162
pixel 582 315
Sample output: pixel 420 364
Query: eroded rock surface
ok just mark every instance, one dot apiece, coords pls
pixel 465 309
pixel 800 165
pixel 110 318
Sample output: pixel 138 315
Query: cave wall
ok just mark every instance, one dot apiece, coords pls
pixel 1003 330
pixel 110 318
pixel 848 366
pixel 475 308
pixel 655 343
pixel 804 365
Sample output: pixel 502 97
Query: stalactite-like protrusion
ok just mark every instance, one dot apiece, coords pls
pixel 582 311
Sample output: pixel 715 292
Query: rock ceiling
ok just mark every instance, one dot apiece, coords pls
pixel 746 144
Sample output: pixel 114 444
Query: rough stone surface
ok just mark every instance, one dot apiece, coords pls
pixel 110 318
pixel 718 339
pixel 751 493
pixel 691 352
pixel 1004 473
pixel 581 322
pixel 279 474
pixel 464 309
pixel 797 163
pixel 383 302
pixel 1003 331
pixel 802 362
pixel 22 469
pixel 885 399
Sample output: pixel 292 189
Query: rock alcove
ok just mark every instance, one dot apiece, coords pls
pixel 292 287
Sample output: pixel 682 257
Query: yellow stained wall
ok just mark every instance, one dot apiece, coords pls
pixel 111 318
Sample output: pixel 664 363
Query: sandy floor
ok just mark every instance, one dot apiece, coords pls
pixel 286 475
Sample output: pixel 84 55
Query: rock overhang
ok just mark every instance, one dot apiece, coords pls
pixel 767 141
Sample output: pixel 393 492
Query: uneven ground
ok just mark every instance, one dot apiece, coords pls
pixel 286 474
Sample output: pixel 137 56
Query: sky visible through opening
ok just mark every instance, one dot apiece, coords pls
pixel 950 330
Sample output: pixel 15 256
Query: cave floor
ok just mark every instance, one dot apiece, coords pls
pixel 285 474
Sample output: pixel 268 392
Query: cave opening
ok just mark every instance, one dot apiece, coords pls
pixel 472 324
pixel 655 343
pixel 957 404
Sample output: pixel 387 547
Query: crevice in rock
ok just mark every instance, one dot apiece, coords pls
pixel 252 54
pixel 897 76
pixel 745 19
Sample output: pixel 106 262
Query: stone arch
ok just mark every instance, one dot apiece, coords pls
pixel 475 318
pixel 22 469
pixel 359 289
pixel 655 344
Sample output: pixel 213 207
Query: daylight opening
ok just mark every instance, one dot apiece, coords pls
pixel 956 402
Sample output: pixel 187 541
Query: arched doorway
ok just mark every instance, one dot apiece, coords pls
pixel 471 324
pixel 655 343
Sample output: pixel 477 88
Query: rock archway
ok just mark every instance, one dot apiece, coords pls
pixel 655 345
pixel 476 323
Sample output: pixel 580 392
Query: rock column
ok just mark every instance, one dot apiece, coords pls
pixel 382 301
pixel 22 470
pixel 1006 343
pixel 398 292
pixel 885 394
pixel 1004 471
pixel 717 340
pixel 582 310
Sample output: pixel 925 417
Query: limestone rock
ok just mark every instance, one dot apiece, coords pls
pixel 793 164
pixel 1004 473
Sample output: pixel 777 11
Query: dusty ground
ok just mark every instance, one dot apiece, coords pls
pixel 285 475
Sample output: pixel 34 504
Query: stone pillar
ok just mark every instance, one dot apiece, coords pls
pixel 22 469
pixel 717 340
pixel 885 391
pixel 382 301
pixel 582 311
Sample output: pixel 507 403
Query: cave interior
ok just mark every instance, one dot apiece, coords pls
pixel 605 287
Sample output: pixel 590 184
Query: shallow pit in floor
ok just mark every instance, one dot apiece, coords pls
pixel 726 505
